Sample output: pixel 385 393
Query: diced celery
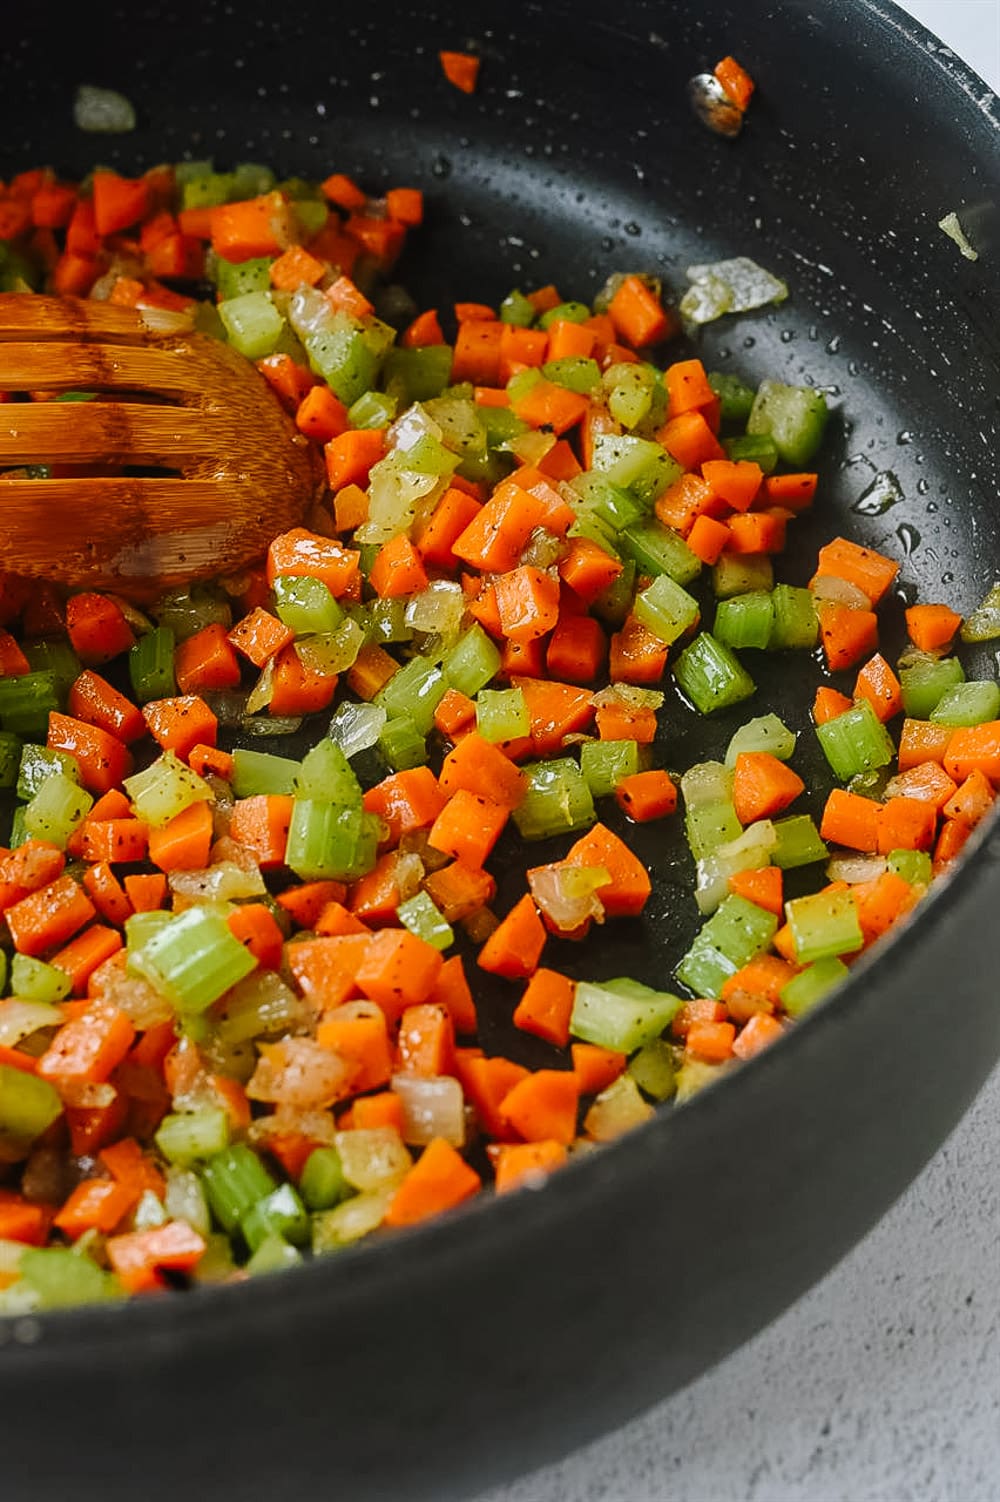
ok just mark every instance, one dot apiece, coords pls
pixel 574 372
pixel 305 605
pixel 710 825
pixel 10 758
pixel 794 417
pixel 273 1255
pixel 56 809
pixel 387 622
pixel 517 309
pixel 140 928
pixel 605 763
pixel 557 800
pixel 18 833
pixel 652 1068
pixel 339 352
pixel 256 772
pixel 322 1184
pixel 34 980
pixel 165 788
pixel 193 959
pixel 971 703
pixel 187 611
pixel 630 390
pixel 326 775
pixel 855 741
pixel 416 690
pixel 611 504
pixel 502 714
pixel 913 866
pixel 151 665
pixel 739 573
pixel 735 396
pixel 811 985
pixel 925 682
pixel 252 323
pixel 657 549
pixel 749 851
pixel 235 278
pixel 589 525
pixel 621 1019
pixel 234 1180
pixel 564 312
pixel 746 620
pixel 422 917
pixel 615 601
pixel 185 1200
pixel 666 609
pixel 501 425
pixel 418 375
pixel 27 700
pixel 735 933
pixel 28 1104
pixel 37 763
pixel 757 448
pixel 472 662
pixel 428 456
pixel 401 744
pixel 347 1222
pixel 638 464
pixel 796 623
pixel 251 180
pixel 711 676
pixel 53 655
pixel 798 843
pixel 206 189
pixel 766 733
pixel 823 925
pixel 61 1278
pixel 983 623
pixel 189 1136
pixel 330 843
pixel 281 1212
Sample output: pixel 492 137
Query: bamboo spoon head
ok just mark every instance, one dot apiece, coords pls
pixel 183 466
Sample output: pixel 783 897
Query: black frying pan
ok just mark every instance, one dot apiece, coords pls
pixel 433 1363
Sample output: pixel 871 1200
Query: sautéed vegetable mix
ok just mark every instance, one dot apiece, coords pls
pixel 242 1019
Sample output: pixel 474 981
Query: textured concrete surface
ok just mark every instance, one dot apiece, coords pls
pixel 883 1383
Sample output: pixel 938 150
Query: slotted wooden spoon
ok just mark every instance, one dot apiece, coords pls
pixel 236 471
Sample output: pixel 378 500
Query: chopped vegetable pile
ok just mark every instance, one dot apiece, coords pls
pixel 241 1019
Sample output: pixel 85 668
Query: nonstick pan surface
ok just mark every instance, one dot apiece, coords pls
pixel 436 1362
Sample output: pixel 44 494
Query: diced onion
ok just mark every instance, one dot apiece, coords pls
pixel 372 1157
pixel 839 592
pixel 438 608
pixel 225 882
pixel 102 111
pixel 260 1005
pixel 298 1072
pixel 357 727
pixel 617 1109
pixel 263 689
pixel 165 320
pixel 853 868
pixel 736 285
pixel 19 1019
pixel 432 1107
pixel 567 895
pixel 351 1220
pixel 706 782
pixel 955 232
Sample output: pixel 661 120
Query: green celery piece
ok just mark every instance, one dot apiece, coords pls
pixel 186 612
pixel 165 788
pixel 252 179
pixel 605 763
pixel 750 851
pixel 416 690
pixel 206 189
pixel 913 866
pixel 418 375
pixel 281 1212
pixel 711 825
pixel 614 603
pixel 637 464
pixel 739 573
pixel 587 524
pixel 652 1068
pixel 657 549
pixel 28 1104
pixel 666 609
pixel 736 932
pixel 373 409
pixel 796 623
pixel 305 605
pixel 330 843
pixel 58 807
pixel 252 323
pixel 501 425
pixel 735 396
pixel 327 775
pixel 983 623
pixel 421 915
pixel 10 758
pixel 564 312
pixel 151 665
pixel 970 703
pixel 557 800
pixel 574 372
pixel 502 714
pixel 622 1020
pixel 517 309
pixel 141 927
pixel 34 980
pixel 387 622
pixel 401 744
pixel 428 456
pixel 235 278
pixel 234 1180
pixel 186 1137
pixel 799 843
pixel 62 1278
pixel 38 763
pixel 272 1256
pixel 27 700
pixel 257 772
pixel 925 682
pixel 339 353
pixel 757 448
pixel 824 925
pixel 804 990
pixel 18 833
pixel 855 741
pixel 193 959
pixel 794 417
pixel 711 676
pixel 611 504
pixel 463 430
pixel 746 620
pixel 472 662
pixel 630 389
pixel 766 733
pixel 322 1184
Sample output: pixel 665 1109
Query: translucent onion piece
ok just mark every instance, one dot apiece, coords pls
pixel 228 705
pixel 319 1126
pixel 617 1109
pixel 567 895
pixel 542 549
pixel 143 1005
pixel 708 299
pixel 224 882
pixel 530 448
pixel 955 232
pixel 350 1221
pixel 265 727
pixel 87 1095
pixel 298 1072
pixel 438 608
pixel 984 622
pixel 706 782
pixel 372 1157
pixel 432 1107
pixel 259 1006
pixel 309 312
pixel 357 727
pixel 392 497
pixel 165 320
pixel 263 689
pixel 19 1019
pixel 713 105
pixel 853 868
pixel 630 694
pixel 408 873
pixel 750 286
pixel 185 1200
pixel 748 852
pixel 408 429
pixel 839 592
pixel 331 651
pixel 102 110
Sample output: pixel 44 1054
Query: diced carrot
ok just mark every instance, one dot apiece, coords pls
pixel 847 635
pixel 382 1110
pixel 568 340
pixel 106 893
pixel 357 1031
pixel 922 741
pixel 45 919
pixel 424 330
pixel 406 801
pixel 305 902
pixel 118 201
pixel 350 507
pixel 588 569
pixel 96 702
pixel 255 926
pixel 287 379
pixel 81 956
pixel 636 655
pixel 630 887
pixel 139 1256
pixel 321 415
pixel 951 840
pixel 758 1033
pixel 647 795
pixel 252 227
pixel 460 890
pixel 793 492
pixel 930 782
pixel 515 946
pixel 527 602
pixel 520 349
pixel 577 649
pixel 344 296
pixel 638 315
pixel 906 824
pixel 398 970
pixel 425 1044
pixel 757 531
pixel 972 801
pixel 974 748
pixel 828 704
pixel 763 887
pixel 693 1013
pixel 94 1205
pixel 325 969
pixel 343 191
pixel 711 1041
pixel 97 628
pixel 259 636
pixel 544 1106
pixel 294 268
pixel 184 842
pixel 375 897
pixel 687 499
pixel 931 627
pixel 438 1181
pixel 545 1006
pixel 595 1067
pixel 398 569
pixel 761 978
pixel 211 760
pixel 146 893
pixel 451 990
pixel 337 919
pixel 735 481
pixel 622 721
pixel 546 405
pixel 867 570
pixel 880 902
pixel 476 355
pixel 298 688
pixel 181 723
pixel 88 1048
pixel 735 80
pixel 300 552
pixel 468 827
pixel 877 683
pixel 102 759
pixel 851 820
pixel 475 764
pixel 351 455
pixel 707 538
pixel 689 439
pixel 486 1082
pixel 21 1220
pixel 517 1163
pixel 455 511
pixel 455 713
pixel 763 786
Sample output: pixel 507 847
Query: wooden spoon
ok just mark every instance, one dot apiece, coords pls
pixel 236 470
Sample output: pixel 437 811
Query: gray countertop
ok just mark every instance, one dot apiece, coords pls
pixel 883 1383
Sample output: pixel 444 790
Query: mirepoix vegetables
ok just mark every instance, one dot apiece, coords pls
pixel 259 994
